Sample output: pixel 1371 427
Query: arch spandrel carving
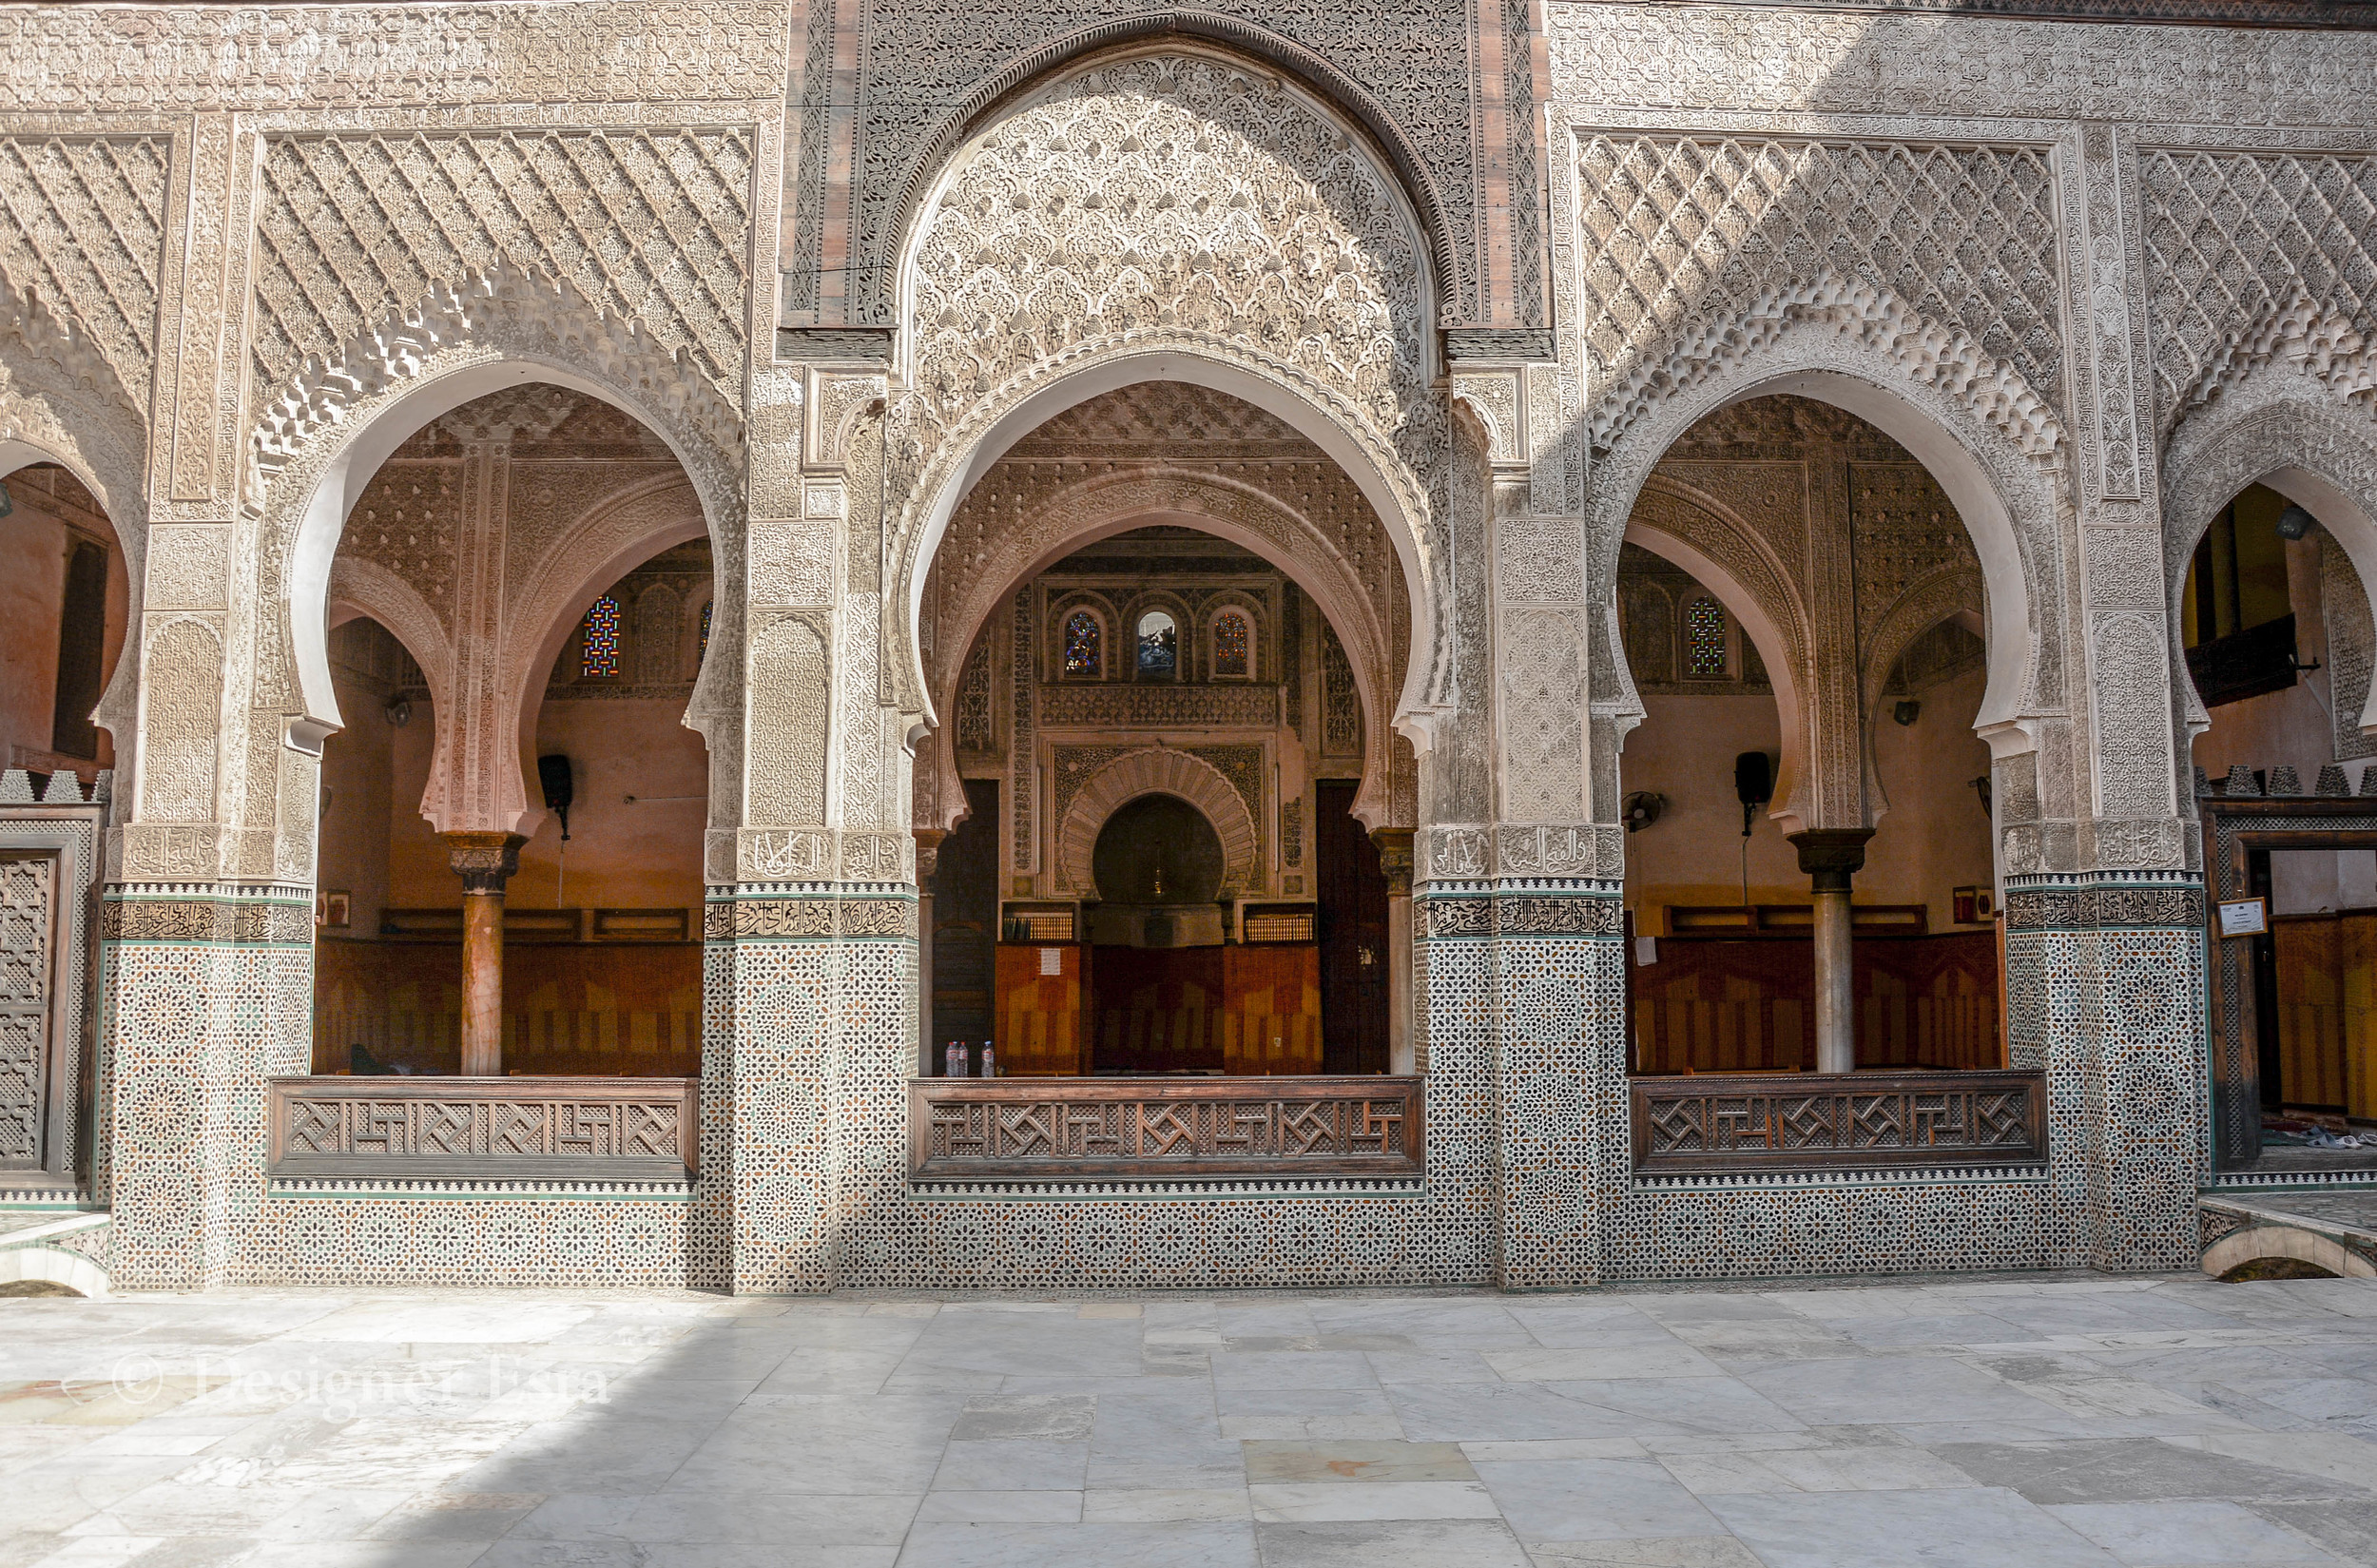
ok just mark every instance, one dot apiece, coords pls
pixel 1162 217
pixel 320 442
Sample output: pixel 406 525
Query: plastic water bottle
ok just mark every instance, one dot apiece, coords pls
pixel 953 1060
pixel 990 1061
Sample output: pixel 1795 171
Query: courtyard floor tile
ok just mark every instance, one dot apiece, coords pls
pixel 1961 1424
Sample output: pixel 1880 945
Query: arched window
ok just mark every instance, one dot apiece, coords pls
pixel 1085 646
pixel 701 650
pixel 1159 646
pixel 1233 644
pixel 1704 640
pixel 599 659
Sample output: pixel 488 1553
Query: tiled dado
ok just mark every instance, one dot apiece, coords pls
pixel 207 991
pixel 810 1044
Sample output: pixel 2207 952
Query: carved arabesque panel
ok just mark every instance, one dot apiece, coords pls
pixel 654 226
pixel 82 224
pixel 27 920
pixel 1168 192
pixel 1686 243
pixel 2253 257
pixel 937 52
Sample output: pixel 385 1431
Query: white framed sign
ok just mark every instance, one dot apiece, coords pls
pixel 2244 917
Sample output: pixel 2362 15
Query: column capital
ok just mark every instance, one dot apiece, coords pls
pixel 1394 859
pixel 928 851
pixel 484 860
pixel 1831 855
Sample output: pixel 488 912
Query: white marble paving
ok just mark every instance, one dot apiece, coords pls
pixel 2107 1423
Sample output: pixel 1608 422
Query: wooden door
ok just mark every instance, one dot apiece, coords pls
pixel 1271 1009
pixel 965 922
pixel 1040 1010
pixel 29 1034
pixel 1353 955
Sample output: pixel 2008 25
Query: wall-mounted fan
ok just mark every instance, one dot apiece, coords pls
pixel 1642 808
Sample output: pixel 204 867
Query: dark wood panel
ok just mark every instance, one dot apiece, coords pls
pixel 442 1128
pixel 1271 1009
pixel 965 922
pixel 1157 1010
pixel 1164 1129
pixel 1743 1123
pixel 1748 1006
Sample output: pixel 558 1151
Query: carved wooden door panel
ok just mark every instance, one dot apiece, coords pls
pixel 27 986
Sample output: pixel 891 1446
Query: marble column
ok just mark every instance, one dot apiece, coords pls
pixel 1394 860
pixel 485 861
pixel 1830 857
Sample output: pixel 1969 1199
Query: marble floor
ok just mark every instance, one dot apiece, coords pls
pixel 2034 1423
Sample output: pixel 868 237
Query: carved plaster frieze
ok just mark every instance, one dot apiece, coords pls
pixel 130 59
pixel 1127 216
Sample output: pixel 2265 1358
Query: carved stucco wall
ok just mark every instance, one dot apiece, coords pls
pixel 887 88
pixel 1167 202
pixel 1884 119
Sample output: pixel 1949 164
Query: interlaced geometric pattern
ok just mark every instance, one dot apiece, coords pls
pixel 976 1133
pixel 1682 232
pixel 82 224
pixel 599 660
pixel 652 225
pixel 2235 241
pixel 324 1123
pixel 1704 640
pixel 1714 1122
pixel 25 926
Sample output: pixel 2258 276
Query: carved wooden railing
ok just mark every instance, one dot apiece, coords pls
pixel 1794 1121
pixel 1163 1129
pixel 445 1128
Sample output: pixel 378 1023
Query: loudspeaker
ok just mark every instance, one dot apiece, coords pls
pixel 1753 778
pixel 552 776
pixel 1753 785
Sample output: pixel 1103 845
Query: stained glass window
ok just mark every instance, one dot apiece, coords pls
pixel 1085 645
pixel 1232 639
pixel 600 659
pixel 1704 640
pixel 702 651
pixel 1159 646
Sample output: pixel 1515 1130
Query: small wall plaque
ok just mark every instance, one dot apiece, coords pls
pixel 2244 917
